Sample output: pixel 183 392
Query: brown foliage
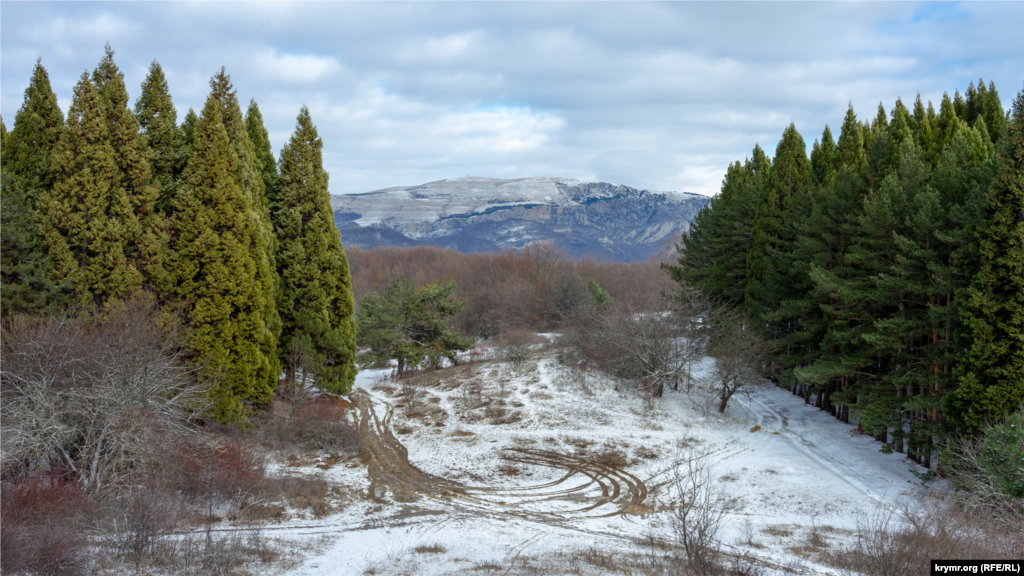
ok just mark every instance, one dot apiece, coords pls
pixel 537 288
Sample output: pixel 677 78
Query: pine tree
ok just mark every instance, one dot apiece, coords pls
pixel 824 157
pixel 89 222
pixel 713 253
pixel 158 121
pixel 772 233
pixel 315 299
pixel 147 249
pixel 990 374
pixel 850 148
pixel 217 273
pixel 25 283
pixel 37 128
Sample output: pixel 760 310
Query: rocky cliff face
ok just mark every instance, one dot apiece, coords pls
pixel 487 214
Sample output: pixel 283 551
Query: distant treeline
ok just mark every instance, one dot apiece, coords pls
pixel 235 246
pixel 888 268
pixel 538 288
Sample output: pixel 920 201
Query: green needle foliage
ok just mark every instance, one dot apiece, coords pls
pixel 217 273
pixel 25 283
pixel 250 181
pixel 265 164
pixel 991 370
pixel 315 299
pixel 37 129
pixel 90 224
pixel 158 120
pixel 410 326
pixel 888 269
pixel 146 250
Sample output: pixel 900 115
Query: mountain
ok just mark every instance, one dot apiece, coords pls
pixel 486 214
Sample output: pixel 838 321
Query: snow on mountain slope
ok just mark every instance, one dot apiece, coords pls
pixel 487 214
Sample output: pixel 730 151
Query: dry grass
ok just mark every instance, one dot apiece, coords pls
pixel 430 549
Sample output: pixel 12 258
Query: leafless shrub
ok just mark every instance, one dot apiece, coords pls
pixel 322 424
pixel 902 542
pixel 517 347
pixel 92 399
pixel 697 513
pixel 41 527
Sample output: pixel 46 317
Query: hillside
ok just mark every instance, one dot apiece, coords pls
pixel 486 214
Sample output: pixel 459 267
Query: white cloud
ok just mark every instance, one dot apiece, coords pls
pixel 297 68
pixel 654 95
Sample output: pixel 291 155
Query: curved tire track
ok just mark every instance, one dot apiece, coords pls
pixel 606 490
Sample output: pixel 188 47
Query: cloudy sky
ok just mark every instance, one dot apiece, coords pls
pixel 659 96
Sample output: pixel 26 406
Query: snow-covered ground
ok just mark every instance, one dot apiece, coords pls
pixel 548 464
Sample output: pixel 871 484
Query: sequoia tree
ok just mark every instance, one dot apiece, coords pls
pixel 89 221
pixel 158 120
pixel 146 249
pixel 37 128
pixel 217 252
pixel 315 296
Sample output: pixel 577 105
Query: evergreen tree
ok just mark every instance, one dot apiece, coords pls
pixel 250 181
pixel 216 275
pixel 714 251
pixel 147 250
pixel 315 299
pixel 188 126
pixel 850 148
pixel 265 163
pixel 824 157
pixel 37 128
pixel 3 138
pixel 410 325
pixel 158 121
pixel 772 233
pixel 89 223
pixel 990 374
pixel 25 284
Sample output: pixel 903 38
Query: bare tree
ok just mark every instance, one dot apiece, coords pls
pixel 739 353
pixel 698 512
pixel 92 400
pixel 654 342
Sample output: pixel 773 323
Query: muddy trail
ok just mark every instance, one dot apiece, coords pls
pixel 587 489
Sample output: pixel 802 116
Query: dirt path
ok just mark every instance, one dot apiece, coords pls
pixel 587 489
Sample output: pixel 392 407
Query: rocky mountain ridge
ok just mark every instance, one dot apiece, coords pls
pixel 487 214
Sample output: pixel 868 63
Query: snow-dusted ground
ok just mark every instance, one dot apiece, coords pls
pixel 803 470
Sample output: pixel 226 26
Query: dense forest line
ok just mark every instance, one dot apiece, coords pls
pixel 236 247
pixel 887 267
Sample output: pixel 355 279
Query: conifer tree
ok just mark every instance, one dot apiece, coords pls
pixel 25 283
pixel 772 233
pixel 315 299
pixel 188 126
pixel 991 370
pixel 824 157
pixel 89 222
pixel 158 121
pixel 37 128
pixel 265 163
pixel 147 251
pixel 216 276
pixel 850 148
pixel 250 181
pixel 3 138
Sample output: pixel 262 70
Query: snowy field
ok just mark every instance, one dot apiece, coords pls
pixel 481 468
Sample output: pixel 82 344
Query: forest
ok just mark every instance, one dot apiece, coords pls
pixel 886 268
